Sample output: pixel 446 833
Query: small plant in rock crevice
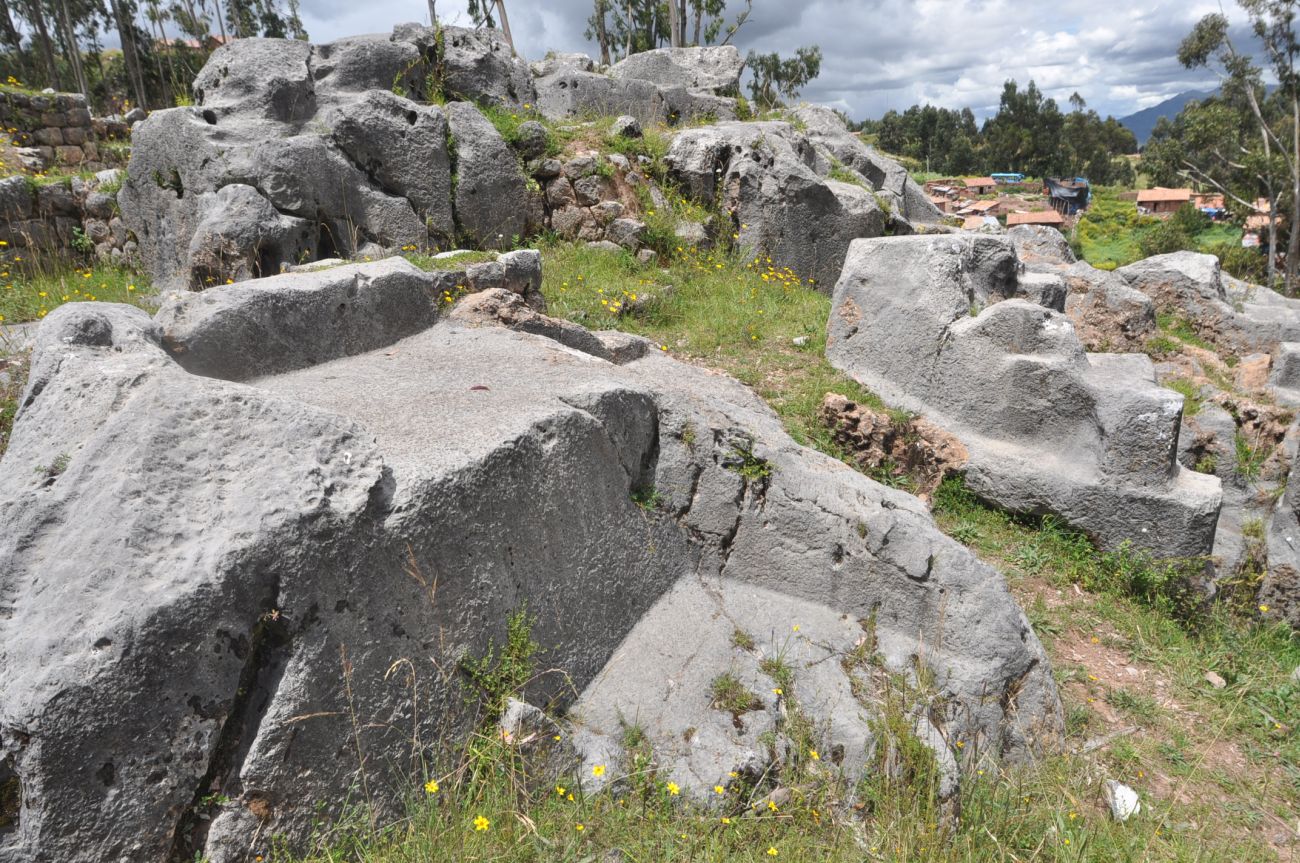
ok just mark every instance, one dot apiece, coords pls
pixel 742 460
pixel 503 670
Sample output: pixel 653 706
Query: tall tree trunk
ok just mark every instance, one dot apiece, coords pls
pixel 505 25
pixel 602 35
pixel 1293 242
pixel 168 100
pixel 699 15
pixel 221 19
pixel 36 15
pixel 674 22
pixel 73 49
pixel 13 38
pixel 631 29
pixel 433 14
pixel 130 57
pixel 171 54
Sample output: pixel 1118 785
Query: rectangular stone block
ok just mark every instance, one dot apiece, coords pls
pixel 69 155
pixel 49 137
pixel 74 136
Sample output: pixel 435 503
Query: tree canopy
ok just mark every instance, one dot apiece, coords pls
pixel 1029 134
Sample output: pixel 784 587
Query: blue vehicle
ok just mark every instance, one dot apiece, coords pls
pixel 1007 179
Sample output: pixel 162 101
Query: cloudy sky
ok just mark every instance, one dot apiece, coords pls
pixel 882 54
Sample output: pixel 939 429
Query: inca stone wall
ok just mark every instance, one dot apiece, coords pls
pixel 58 126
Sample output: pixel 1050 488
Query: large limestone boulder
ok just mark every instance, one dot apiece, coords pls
pixel 1237 318
pixel 934 324
pixel 226 591
pixel 665 85
pixel 715 68
pixel 570 91
pixel 1040 244
pixel 1108 315
pixel 908 202
pixel 340 146
pixel 491 192
pixel 763 175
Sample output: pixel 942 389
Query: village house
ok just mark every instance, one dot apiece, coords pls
pixel 980 185
pixel 944 204
pixel 1161 201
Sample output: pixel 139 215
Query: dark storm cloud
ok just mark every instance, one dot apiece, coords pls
pixel 883 54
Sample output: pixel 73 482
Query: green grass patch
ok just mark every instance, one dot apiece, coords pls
pixel 734 313
pixel 729 694
pixel 508 120
pixel 1191 393
pixel 455 261
pixel 1178 327
pixel 15 369
pixel 27 295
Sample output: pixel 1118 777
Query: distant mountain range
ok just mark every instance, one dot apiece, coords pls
pixel 1143 122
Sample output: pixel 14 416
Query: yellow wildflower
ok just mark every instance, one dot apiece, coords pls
pixel 481 824
pixel 431 786
pixel 598 771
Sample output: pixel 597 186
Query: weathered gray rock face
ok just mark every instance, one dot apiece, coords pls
pixel 666 85
pixel 1279 591
pixel 1235 317
pixel 205 579
pixel 715 68
pixel 1040 244
pixel 763 174
pixel 908 202
pixel 1108 315
pixel 571 92
pixel 933 324
pixel 491 193
pixel 318 132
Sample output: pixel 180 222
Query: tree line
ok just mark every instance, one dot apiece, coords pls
pixel 61 43
pixel 1029 134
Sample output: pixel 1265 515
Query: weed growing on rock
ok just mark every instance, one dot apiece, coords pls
pixel 648 498
pixel 729 694
pixel 742 639
pixel 742 460
pixel 504 670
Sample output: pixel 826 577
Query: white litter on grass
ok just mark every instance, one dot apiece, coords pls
pixel 1122 800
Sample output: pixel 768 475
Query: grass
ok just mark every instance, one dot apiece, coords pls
pixel 733 313
pixel 30 296
pixel 1191 393
pixel 13 377
pixel 457 261
pixel 1110 233
pixel 731 695
pixel 1173 326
